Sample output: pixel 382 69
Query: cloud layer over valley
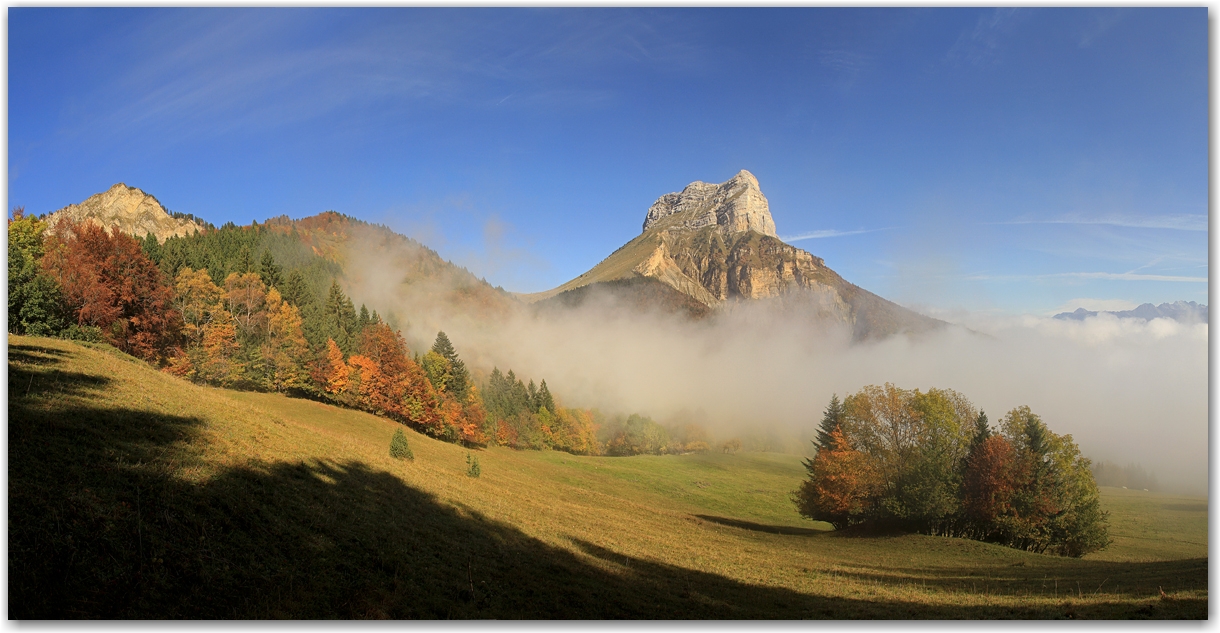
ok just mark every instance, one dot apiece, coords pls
pixel 1127 390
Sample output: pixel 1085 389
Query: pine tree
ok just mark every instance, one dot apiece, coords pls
pixel 244 263
pixel 981 431
pixel 364 320
pixel 271 273
pixel 339 319
pixel 399 449
pixel 296 290
pixel 830 421
pixel 533 397
pixel 151 247
pixel 458 383
pixel 545 401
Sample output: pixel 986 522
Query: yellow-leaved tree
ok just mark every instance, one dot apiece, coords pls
pixel 285 350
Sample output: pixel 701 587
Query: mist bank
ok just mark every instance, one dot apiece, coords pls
pixel 1126 390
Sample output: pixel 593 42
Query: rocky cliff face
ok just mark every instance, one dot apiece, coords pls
pixel 735 205
pixel 131 210
pixel 717 245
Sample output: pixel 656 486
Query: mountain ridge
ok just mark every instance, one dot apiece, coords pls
pixel 1181 311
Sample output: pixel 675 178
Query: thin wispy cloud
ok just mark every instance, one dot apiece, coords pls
pixel 980 45
pixel 1128 277
pixel 813 235
pixel 1089 275
pixel 845 61
pixel 1177 222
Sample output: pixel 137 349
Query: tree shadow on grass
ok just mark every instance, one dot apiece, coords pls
pixel 102 524
pixel 761 527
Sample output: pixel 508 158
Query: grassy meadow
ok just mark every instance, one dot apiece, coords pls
pixel 134 494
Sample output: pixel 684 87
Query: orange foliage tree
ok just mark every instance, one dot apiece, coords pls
pixel 840 486
pixel 334 372
pixel 109 283
pixel 220 347
pixel 991 477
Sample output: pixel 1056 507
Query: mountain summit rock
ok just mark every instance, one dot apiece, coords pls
pixel 736 205
pixel 716 244
pixel 131 210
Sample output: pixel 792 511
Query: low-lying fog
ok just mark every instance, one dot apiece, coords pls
pixel 1126 390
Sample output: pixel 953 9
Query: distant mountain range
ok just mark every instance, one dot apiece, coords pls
pixel 1182 311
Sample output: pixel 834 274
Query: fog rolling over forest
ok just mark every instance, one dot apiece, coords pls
pixel 1125 389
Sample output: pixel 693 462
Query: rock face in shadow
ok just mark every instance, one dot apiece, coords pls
pixel 131 210
pixel 717 245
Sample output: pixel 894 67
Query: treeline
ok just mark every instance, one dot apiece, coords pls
pixel 1129 476
pixel 929 462
pixel 217 307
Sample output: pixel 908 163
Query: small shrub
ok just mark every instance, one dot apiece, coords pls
pixel 472 466
pixel 399 449
pixel 85 333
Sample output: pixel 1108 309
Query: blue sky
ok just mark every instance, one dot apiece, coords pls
pixel 988 160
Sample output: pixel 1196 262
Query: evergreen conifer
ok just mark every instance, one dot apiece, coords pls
pixel 399 449
pixel 830 421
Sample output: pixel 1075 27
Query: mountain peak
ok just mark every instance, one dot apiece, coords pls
pixel 131 210
pixel 735 205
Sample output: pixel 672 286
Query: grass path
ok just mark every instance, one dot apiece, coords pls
pixel 135 494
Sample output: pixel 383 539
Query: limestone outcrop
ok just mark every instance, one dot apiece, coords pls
pixel 131 210
pixel 735 205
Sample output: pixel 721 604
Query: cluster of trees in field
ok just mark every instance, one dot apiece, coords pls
pixel 930 462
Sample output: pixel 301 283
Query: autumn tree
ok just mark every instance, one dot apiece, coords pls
pixel 284 350
pixel 245 297
pixel 990 482
pixel 220 364
pixel 841 486
pixel 458 379
pixel 109 283
pixel 196 297
pixel 438 370
pixel 336 370
pixel 933 465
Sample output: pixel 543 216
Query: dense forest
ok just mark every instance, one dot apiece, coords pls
pixel 258 307
pixel 930 462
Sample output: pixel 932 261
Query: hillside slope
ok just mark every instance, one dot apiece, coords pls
pixel 133 494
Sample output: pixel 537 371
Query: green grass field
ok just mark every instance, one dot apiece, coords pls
pixel 133 494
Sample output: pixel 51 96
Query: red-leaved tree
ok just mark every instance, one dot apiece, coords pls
pixel 109 283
